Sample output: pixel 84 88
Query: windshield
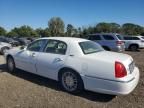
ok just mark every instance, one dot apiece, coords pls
pixel 89 47
pixel 120 37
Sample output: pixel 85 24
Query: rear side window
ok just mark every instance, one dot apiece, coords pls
pixel 127 38
pixel 89 47
pixel 108 37
pixel 131 38
pixel 94 37
pixel 56 47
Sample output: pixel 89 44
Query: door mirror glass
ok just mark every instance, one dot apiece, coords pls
pixel 22 47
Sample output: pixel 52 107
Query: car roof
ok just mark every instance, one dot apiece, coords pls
pixel 134 36
pixel 66 39
pixel 139 36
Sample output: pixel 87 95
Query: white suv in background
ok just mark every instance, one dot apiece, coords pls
pixel 109 41
pixel 133 43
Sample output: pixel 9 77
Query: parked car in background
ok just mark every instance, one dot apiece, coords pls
pixel 9 40
pixel 30 39
pixel 4 46
pixel 22 41
pixel 13 42
pixel 77 64
pixel 133 43
pixel 109 41
pixel 142 37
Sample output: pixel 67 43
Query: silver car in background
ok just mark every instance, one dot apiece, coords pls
pixel 109 41
pixel 4 46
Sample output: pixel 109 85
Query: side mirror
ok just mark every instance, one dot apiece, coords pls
pixel 22 47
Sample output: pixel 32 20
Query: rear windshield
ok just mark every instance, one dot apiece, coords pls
pixel 89 47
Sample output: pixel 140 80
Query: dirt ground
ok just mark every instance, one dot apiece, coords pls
pixel 25 90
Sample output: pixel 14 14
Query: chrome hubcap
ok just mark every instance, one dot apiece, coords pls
pixel 69 81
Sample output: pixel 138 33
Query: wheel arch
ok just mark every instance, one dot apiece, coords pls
pixel 76 72
pixel 68 68
pixel 133 44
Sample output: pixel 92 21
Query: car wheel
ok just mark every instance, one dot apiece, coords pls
pixel 3 50
pixel 106 48
pixel 133 47
pixel 71 81
pixel 10 64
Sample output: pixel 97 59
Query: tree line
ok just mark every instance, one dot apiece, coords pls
pixel 56 27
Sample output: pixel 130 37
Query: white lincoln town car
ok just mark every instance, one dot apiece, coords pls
pixel 77 64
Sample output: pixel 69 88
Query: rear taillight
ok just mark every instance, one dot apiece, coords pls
pixel 120 70
pixel 119 42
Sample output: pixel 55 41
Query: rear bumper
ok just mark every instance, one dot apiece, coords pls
pixel 119 48
pixel 110 86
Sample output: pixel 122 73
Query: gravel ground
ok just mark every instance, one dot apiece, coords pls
pixel 25 90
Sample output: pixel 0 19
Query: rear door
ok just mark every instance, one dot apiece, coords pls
pixel 109 41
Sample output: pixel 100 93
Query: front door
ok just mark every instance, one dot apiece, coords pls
pixel 26 59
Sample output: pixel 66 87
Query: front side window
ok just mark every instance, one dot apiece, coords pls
pixel 56 47
pixel 108 37
pixel 89 47
pixel 136 38
pixel 127 38
pixel 37 45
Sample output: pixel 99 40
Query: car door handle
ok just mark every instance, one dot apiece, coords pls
pixel 58 60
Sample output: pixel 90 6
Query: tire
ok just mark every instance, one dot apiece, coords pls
pixel 71 81
pixel 4 49
pixel 106 48
pixel 133 47
pixel 11 64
